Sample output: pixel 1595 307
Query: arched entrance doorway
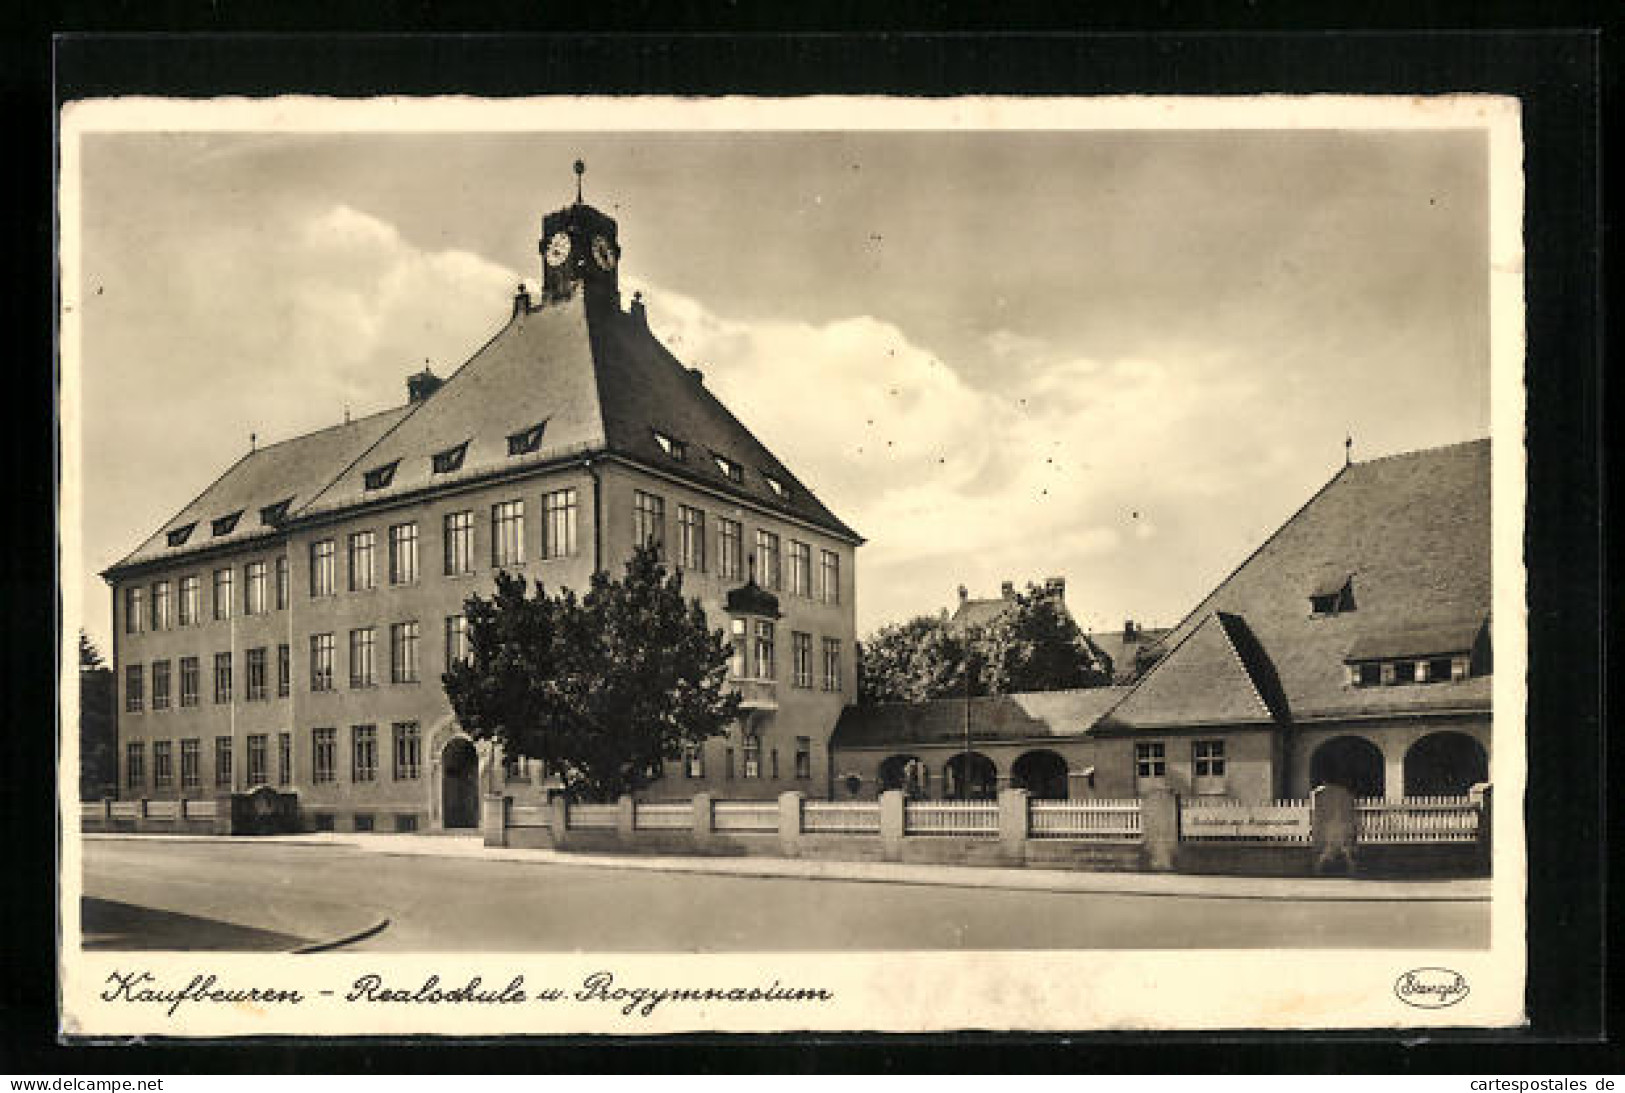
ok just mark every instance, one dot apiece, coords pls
pixel 1352 762
pixel 904 772
pixel 459 784
pixel 970 775
pixel 1041 773
pixel 1445 764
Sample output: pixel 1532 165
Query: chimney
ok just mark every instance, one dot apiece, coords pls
pixel 699 377
pixel 1008 590
pixel 1131 633
pixel 1055 588
pixel 421 385
pixel 521 301
pixel 964 594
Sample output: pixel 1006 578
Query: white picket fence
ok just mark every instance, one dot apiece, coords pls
pixel 1418 820
pixel 530 816
pixel 841 817
pixel 163 810
pixel 593 817
pixel 972 819
pixel 663 817
pixel 1286 821
pixel 1085 818
pixel 92 810
pixel 747 816
pixel 125 810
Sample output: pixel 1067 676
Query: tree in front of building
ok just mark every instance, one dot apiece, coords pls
pixel 604 688
pixel 913 661
pixel 98 743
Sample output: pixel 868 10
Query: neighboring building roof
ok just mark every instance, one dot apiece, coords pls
pixel 977 613
pixel 1024 716
pixel 594 379
pixel 1121 649
pixel 1411 533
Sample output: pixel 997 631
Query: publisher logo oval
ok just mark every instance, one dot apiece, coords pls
pixel 1431 988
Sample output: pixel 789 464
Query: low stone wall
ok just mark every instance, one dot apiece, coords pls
pixel 261 812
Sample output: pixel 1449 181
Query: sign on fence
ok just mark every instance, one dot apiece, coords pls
pixel 1279 822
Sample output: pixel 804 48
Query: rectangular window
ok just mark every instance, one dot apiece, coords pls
pixel 649 521
pixel 766 662
pixel 135 610
pixel 730 548
pixel 800 569
pixel 403 554
pixel 694 766
pixel 160 684
pixel 803 757
pixel 222 677
pixel 284 757
pixel 450 461
pixel 323 578
pixel 135 761
pixel 134 688
pixel 361 669
pixel 282 583
pixel 222 762
pixel 829 572
pixel 189 681
pixel 259 759
pixel 323 755
pixel 1207 765
pixel 691 538
pixel 832 664
pixel 191 607
pixel 1404 671
pixel 254 589
pixel 363 753
pixel 801 662
pixel 321 662
pixel 362 574
pixel 1150 760
pixel 753 755
pixel 257 684
pixel 163 765
pixel 163 606
pixel 403 652
pixel 1438 672
pixel 459 543
pixel 222 594
pixel 768 573
pixel 408 751
pixel 559 524
pixel 284 671
pixel 456 639
pixel 191 763
pixel 507 533
pixel 1369 674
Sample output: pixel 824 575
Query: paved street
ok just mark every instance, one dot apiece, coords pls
pixel 147 894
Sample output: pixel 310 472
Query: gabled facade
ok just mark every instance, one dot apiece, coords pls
pixel 289 626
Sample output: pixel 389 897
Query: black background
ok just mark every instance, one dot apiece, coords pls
pixel 1561 75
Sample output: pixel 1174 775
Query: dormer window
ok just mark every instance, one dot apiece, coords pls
pixel 780 490
pixel 380 477
pixel 734 472
pixel 673 447
pixel 523 443
pixel 178 536
pixel 272 515
pixel 225 525
pixel 1334 595
pixel 451 459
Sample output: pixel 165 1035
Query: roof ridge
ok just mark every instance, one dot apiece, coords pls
pixel 1435 449
pixel 325 429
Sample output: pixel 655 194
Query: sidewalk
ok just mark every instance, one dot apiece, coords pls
pixel 1341 889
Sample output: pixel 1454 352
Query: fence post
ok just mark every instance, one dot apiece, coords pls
pixel 626 820
pixel 891 824
pixel 790 823
pixel 141 814
pixel 1159 828
pixel 494 819
pixel 558 820
pixel 1334 825
pixel 702 821
pixel 222 814
pixel 107 813
pixel 1014 817
pixel 1483 796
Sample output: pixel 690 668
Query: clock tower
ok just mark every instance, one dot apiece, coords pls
pixel 580 252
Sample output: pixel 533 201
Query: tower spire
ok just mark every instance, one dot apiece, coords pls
pixel 581 169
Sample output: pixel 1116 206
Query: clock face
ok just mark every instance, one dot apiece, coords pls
pixel 558 249
pixel 603 253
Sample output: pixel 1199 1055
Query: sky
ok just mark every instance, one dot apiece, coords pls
pixel 1122 358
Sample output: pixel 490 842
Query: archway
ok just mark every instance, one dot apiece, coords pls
pixel 1352 762
pixel 459 784
pixel 970 775
pixel 1041 773
pixel 904 772
pixel 1445 764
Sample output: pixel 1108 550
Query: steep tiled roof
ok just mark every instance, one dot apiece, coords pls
pixel 971 613
pixel 1411 532
pixel 594 378
pixel 1122 652
pixel 1205 679
pixel 1000 717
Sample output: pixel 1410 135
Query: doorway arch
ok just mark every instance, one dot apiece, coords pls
pixel 1445 764
pixel 904 772
pixel 970 774
pixel 1042 774
pixel 1352 762
pixel 459 784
